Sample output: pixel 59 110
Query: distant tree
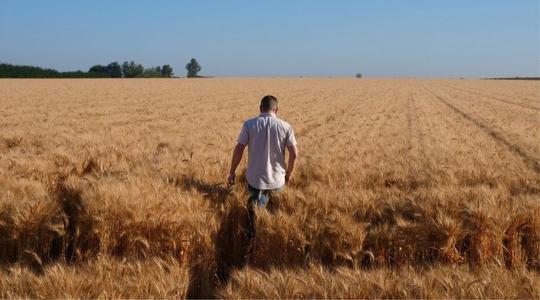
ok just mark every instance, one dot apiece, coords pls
pixel 193 68
pixel 98 69
pixel 125 67
pixel 137 70
pixel 166 71
pixel 358 75
pixel 132 70
pixel 111 70
pixel 114 70
pixel 152 72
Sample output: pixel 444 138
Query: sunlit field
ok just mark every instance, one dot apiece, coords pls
pixel 403 188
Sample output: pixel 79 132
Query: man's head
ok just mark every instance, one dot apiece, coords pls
pixel 269 104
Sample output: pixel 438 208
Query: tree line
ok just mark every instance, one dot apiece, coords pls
pixel 14 71
pixel 113 70
pixel 131 70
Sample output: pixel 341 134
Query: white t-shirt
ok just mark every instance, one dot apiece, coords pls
pixel 267 136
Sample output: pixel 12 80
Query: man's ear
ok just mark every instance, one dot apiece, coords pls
pixel 275 111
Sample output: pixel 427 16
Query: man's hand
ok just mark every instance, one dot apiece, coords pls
pixel 231 179
pixel 236 158
pixel 293 154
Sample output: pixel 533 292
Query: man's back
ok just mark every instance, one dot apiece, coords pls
pixel 267 137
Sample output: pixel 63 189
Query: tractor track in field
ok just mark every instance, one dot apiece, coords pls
pixel 413 125
pixel 499 94
pixel 491 97
pixel 417 135
pixel 416 144
pixel 528 116
pixel 529 160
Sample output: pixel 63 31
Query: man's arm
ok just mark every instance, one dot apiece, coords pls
pixel 235 161
pixel 293 154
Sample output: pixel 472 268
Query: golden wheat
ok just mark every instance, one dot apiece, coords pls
pixel 405 189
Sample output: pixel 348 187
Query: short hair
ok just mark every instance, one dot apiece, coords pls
pixel 268 103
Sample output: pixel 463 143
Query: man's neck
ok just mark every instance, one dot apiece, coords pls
pixel 268 113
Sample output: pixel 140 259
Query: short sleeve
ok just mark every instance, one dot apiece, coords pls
pixel 291 140
pixel 243 138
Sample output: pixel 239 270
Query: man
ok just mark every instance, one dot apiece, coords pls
pixel 267 137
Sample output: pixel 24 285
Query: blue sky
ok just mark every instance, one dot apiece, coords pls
pixel 427 38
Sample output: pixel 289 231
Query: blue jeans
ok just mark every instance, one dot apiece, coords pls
pixel 260 199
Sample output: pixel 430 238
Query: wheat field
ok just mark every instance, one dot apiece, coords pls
pixel 404 188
